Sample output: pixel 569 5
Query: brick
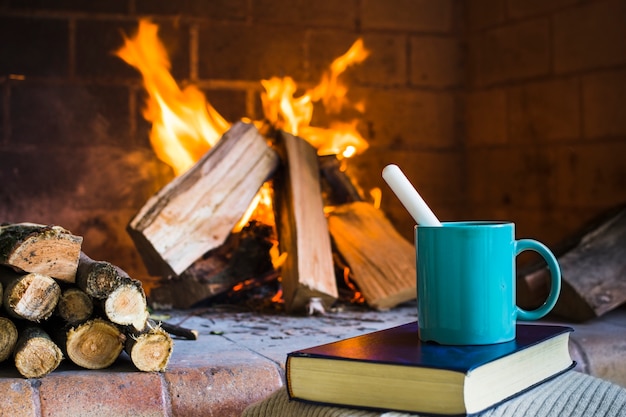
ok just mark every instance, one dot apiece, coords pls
pixel 525 8
pixel 102 394
pixel 31 53
pixel 592 174
pixel 512 176
pixel 486 118
pixel 590 36
pixel 387 62
pixel 333 13
pixel 96 42
pixel 324 46
pixel 17 397
pixel 514 52
pixel 110 6
pixel 412 15
pixel 322 13
pixel 240 52
pixel 435 62
pixel 68 115
pixel 410 120
pixel 604 100
pixel 215 377
pixel 545 112
pixel 214 9
pixel 483 14
pixel 229 104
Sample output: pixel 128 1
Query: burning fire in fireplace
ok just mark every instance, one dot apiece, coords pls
pixel 185 127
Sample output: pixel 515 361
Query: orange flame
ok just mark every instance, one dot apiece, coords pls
pixel 293 114
pixel 184 124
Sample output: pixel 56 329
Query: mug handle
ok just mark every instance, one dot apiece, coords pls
pixel 555 278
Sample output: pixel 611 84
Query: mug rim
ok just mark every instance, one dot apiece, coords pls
pixel 470 223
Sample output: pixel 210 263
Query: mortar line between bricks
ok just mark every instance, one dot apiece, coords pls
pixel 277 364
pixel 166 396
pixel 36 396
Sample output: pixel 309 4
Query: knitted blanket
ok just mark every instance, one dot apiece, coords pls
pixel 572 394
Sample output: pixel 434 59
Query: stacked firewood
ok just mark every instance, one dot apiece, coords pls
pixel 57 302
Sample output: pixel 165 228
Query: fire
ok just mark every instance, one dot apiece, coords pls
pixel 184 124
pixel 293 114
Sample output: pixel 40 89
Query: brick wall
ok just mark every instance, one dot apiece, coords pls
pixel 545 125
pixel 494 108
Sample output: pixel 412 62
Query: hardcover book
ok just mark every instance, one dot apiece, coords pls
pixel 393 370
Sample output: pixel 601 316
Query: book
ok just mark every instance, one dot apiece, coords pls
pixel 392 369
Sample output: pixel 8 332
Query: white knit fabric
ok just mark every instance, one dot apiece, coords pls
pixel 572 394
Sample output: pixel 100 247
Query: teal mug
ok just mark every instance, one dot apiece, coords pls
pixel 466 282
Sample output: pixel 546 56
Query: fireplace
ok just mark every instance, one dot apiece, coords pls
pixel 502 110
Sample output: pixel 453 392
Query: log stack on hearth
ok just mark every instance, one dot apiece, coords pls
pixel 57 302
pixel 185 233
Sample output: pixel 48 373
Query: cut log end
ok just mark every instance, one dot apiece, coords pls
pixel 36 355
pixel 74 306
pixel 8 338
pixel 127 306
pixel 150 351
pixel 47 250
pixel 32 297
pixel 95 344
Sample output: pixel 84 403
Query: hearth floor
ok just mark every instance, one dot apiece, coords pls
pixel 239 359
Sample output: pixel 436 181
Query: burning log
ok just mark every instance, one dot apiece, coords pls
pixel 197 211
pixel 245 255
pixel 29 296
pixel 302 229
pixel 36 355
pixel 46 250
pixel 95 344
pixel 8 338
pixel 150 349
pixel 381 260
pixel 592 265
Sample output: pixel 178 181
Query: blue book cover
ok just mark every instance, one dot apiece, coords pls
pixel 438 379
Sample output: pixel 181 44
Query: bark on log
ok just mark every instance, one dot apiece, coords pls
pixel 8 338
pixel 197 211
pixel 150 349
pixel 122 298
pixel 308 270
pixel 75 306
pixel 382 261
pixel 97 278
pixel 46 250
pixel 36 355
pixel 95 344
pixel 29 296
pixel 593 264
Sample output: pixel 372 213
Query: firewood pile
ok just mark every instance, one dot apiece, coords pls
pixel 58 303
pixel 184 233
